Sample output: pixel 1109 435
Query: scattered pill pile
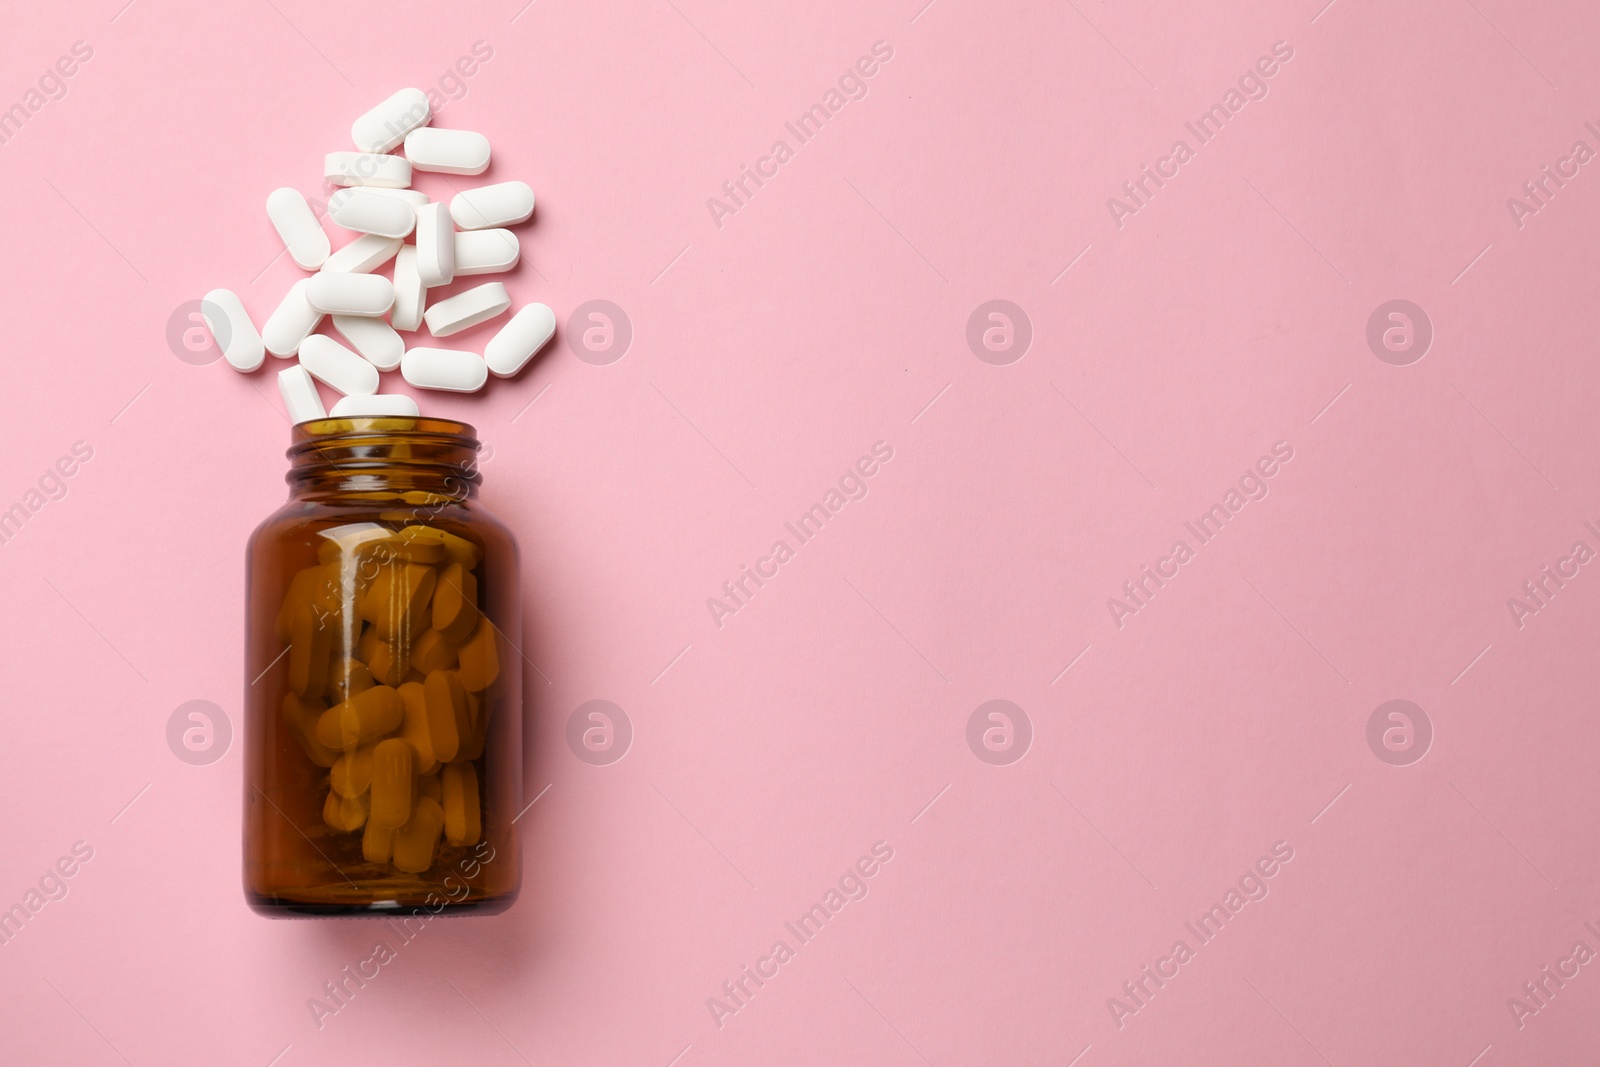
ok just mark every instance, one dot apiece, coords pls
pixel 465 238
pixel 400 725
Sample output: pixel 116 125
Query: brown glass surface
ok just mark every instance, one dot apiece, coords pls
pixel 393 473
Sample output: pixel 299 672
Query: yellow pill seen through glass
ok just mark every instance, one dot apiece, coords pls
pixel 477 729
pixel 455 604
pixel 395 601
pixel 377 844
pixel 365 717
pixel 480 660
pixel 394 775
pixel 433 652
pixel 301 716
pixel 446 701
pixel 348 678
pixel 415 728
pixel 462 821
pixel 414 843
pixel 344 813
pixel 459 549
pixel 310 647
pixel 430 786
pixel 351 775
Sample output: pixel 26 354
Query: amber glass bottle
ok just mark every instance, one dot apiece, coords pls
pixel 383 721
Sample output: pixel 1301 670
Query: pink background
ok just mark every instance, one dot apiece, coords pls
pixel 830 312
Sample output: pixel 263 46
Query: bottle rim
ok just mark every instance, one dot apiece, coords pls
pixel 369 453
pixel 309 434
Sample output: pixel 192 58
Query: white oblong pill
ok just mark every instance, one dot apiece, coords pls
pixel 386 125
pixel 529 330
pixel 350 294
pixel 448 151
pixel 373 338
pixel 366 253
pixel 486 252
pixel 478 304
pixel 300 398
pixel 444 368
pixel 335 366
pixel 410 295
pixel 415 197
pixel 361 168
pixel 505 204
pixel 291 322
pixel 436 245
pixel 232 329
pixel 301 232
pixel 377 404
pixel 369 211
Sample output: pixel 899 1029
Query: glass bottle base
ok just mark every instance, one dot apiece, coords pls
pixel 292 908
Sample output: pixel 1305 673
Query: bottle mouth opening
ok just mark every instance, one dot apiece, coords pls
pixel 369 453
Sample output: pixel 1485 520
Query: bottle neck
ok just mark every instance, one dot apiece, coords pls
pixel 417 460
